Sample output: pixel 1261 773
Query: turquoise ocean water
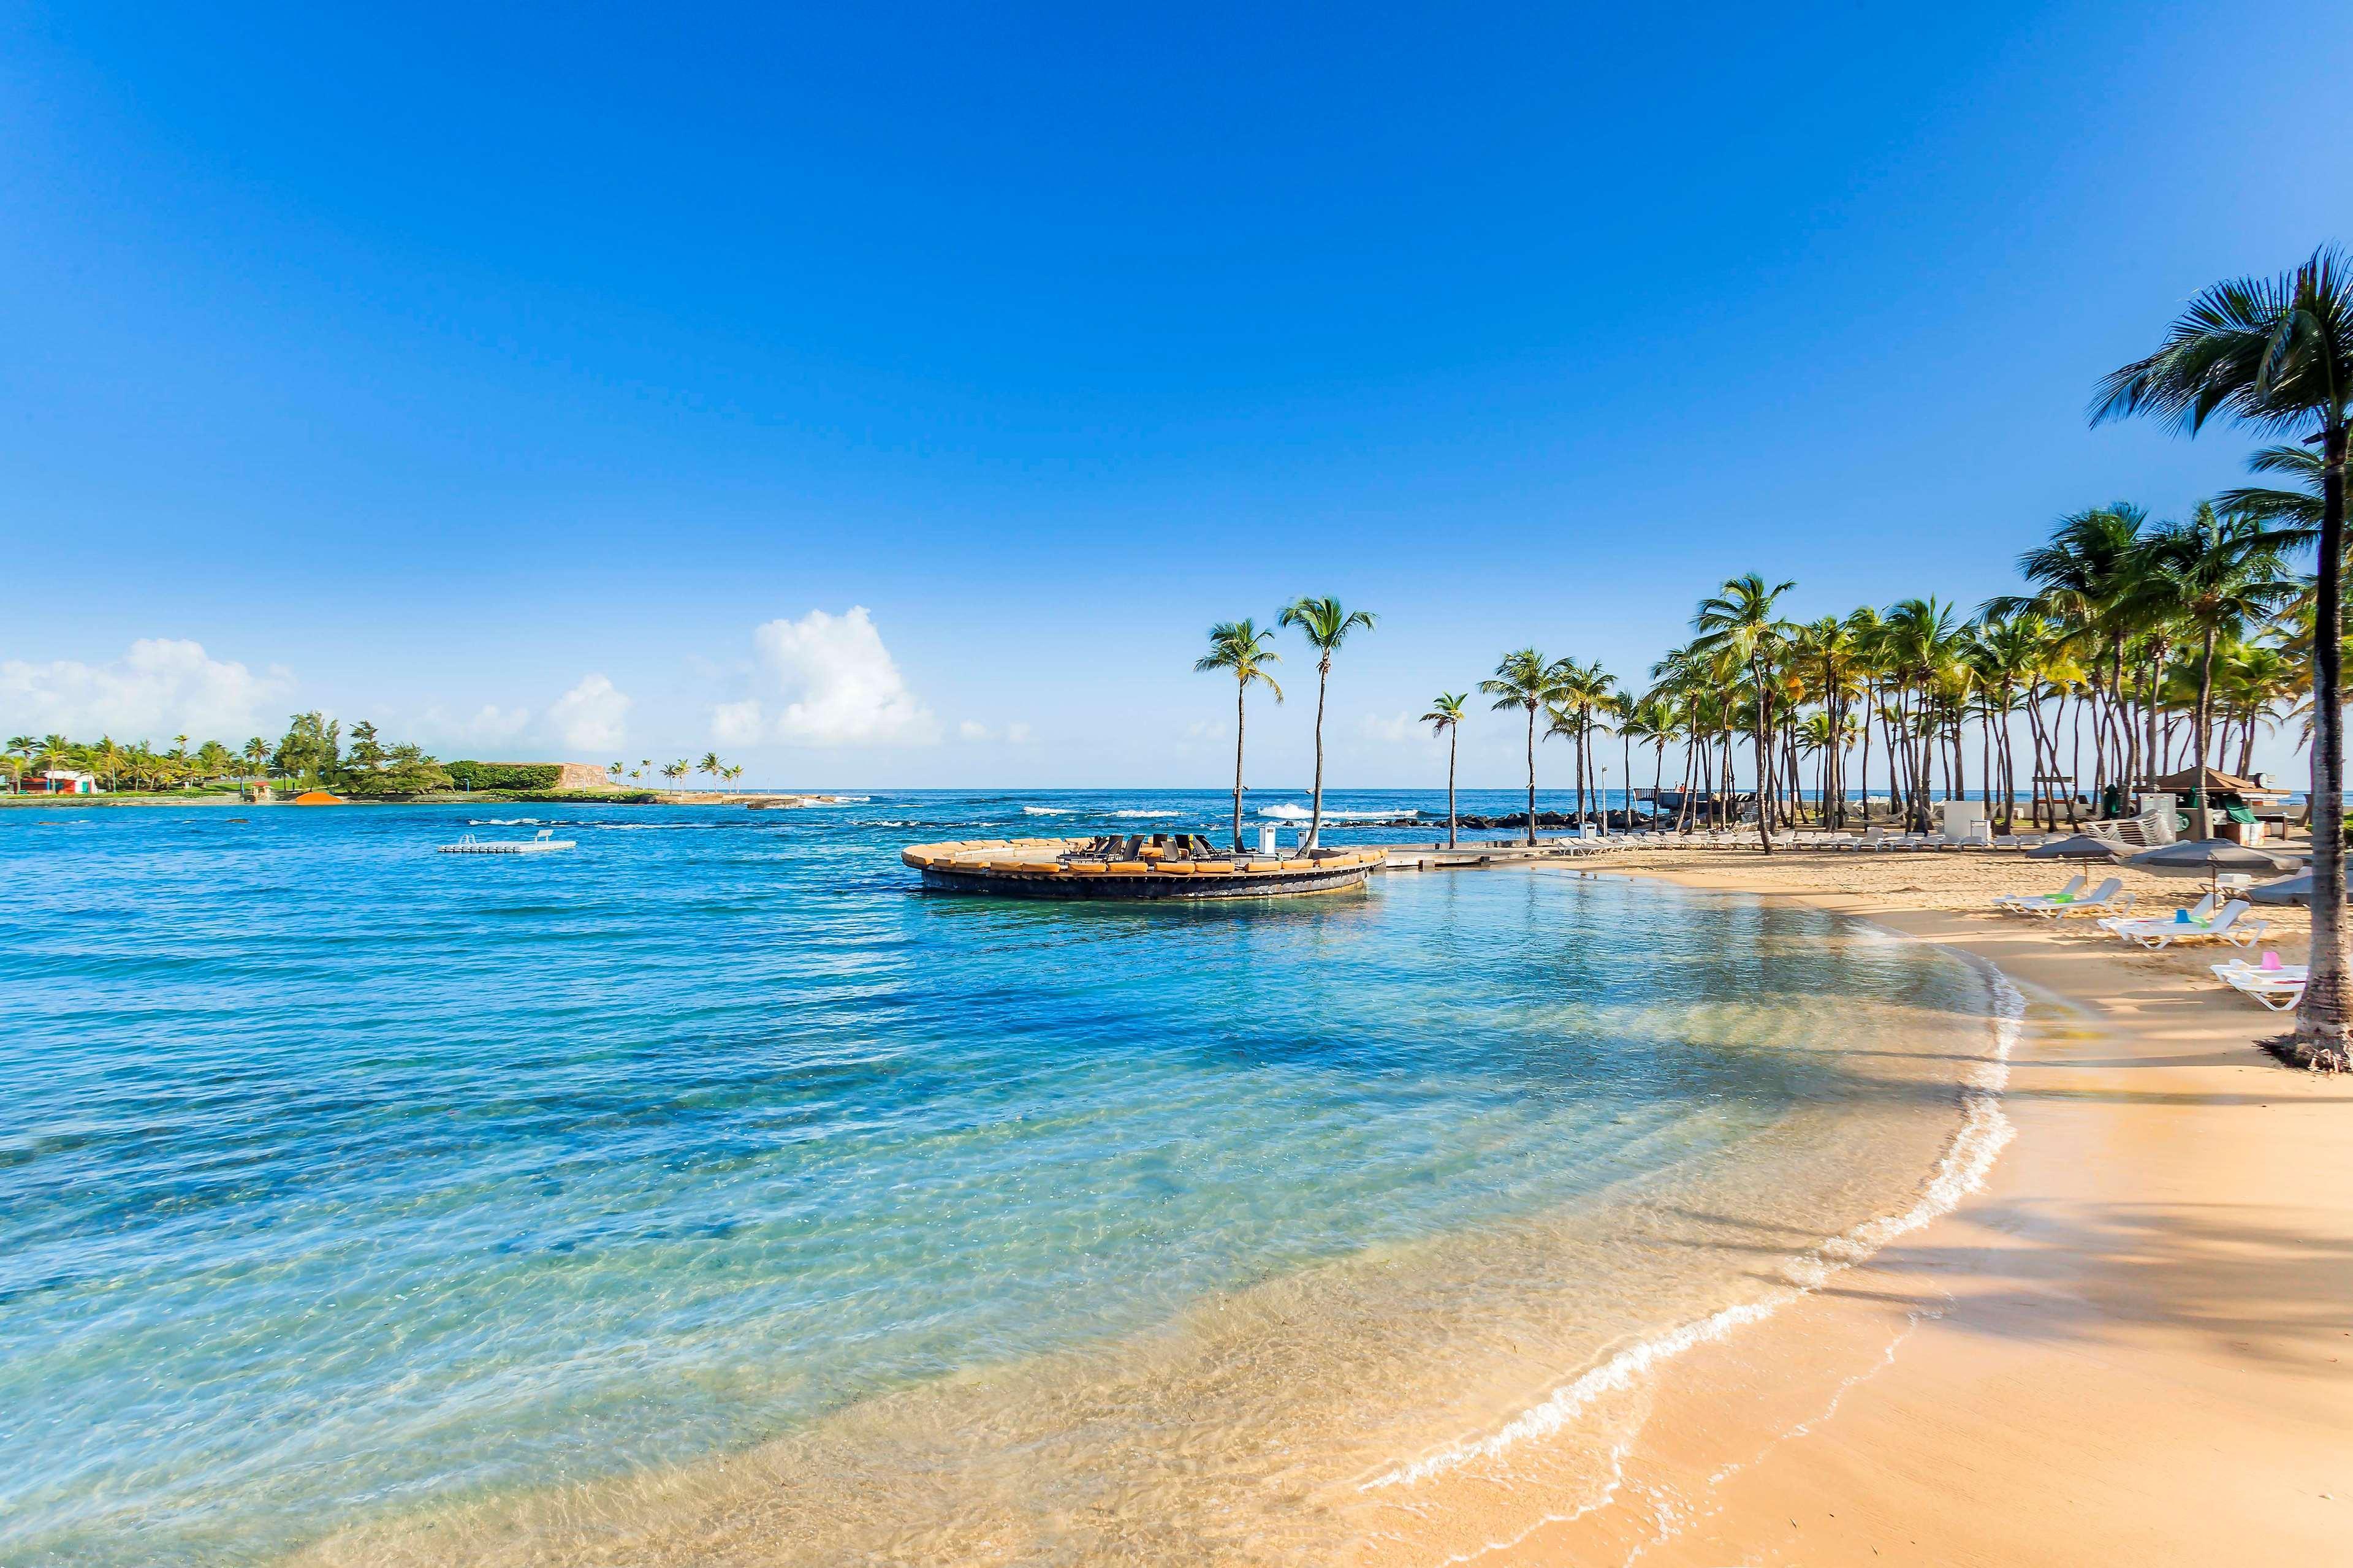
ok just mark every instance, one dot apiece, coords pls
pixel 342 1178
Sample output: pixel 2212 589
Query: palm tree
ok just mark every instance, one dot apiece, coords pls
pixel 19 754
pixel 2276 354
pixel 1526 679
pixel 1326 626
pixel 1241 649
pixel 1584 689
pixel 1652 719
pixel 2216 577
pixel 1445 717
pixel 710 763
pixel 1739 621
pixel 614 770
pixel 732 772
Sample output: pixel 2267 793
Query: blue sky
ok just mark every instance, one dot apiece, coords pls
pixel 500 373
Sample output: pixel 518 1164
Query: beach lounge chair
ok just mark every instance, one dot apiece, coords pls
pixel 2199 912
pixel 2108 898
pixel 2020 903
pixel 2276 989
pixel 2231 925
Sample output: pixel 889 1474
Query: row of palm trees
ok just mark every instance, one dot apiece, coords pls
pixel 677 772
pixel 2147 645
pixel 136 766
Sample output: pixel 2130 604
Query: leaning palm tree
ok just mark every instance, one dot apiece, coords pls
pixel 2276 354
pixel 709 764
pixel 1241 649
pixel 1526 679
pixel 1445 717
pixel 1326 626
pixel 1739 621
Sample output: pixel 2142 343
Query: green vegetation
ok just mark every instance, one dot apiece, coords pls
pixel 474 777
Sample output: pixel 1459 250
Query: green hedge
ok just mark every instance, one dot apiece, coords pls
pixel 504 776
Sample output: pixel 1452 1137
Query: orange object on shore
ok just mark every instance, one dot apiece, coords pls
pixel 318 797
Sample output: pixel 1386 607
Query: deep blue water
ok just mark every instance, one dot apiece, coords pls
pixel 341 1176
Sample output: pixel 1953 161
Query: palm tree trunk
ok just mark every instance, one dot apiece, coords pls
pixel 1454 738
pixel 1532 775
pixel 1315 804
pixel 1240 691
pixel 2200 818
pixel 2321 1024
pixel 1763 783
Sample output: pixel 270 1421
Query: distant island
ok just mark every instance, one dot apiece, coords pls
pixel 315 757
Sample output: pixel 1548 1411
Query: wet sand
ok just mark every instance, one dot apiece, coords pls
pixel 2134 1345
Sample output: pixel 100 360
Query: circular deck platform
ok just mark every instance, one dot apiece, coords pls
pixel 1063 869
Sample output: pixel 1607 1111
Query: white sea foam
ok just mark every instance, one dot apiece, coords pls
pixel 502 822
pixel 1147 814
pixel 1985 1131
pixel 1289 812
pixel 1045 811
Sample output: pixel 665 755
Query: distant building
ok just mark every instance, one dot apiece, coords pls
pixel 67 781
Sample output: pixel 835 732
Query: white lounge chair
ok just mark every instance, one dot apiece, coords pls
pixel 2276 989
pixel 2199 910
pixel 2231 925
pixel 2020 903
pixel 2108 898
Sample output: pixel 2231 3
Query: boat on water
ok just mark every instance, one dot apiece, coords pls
pixel 544 842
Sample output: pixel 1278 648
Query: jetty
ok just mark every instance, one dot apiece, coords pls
pixel 544 842
pixel 1134 866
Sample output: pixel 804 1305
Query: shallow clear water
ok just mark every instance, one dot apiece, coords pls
pixel 344 1180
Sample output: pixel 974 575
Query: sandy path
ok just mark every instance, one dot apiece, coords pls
pixel 2135 1345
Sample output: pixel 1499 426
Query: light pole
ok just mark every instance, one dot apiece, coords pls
pixel 1605 800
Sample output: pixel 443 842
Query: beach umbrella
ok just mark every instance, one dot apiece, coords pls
pixel 2204 857
pixel 2296 889
pixel 2082 846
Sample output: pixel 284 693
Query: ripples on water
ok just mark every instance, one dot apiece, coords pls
pixel 350 1183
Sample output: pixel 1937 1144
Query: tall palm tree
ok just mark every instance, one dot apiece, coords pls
pixel 1650 720
pixel 1445 717
pixel 1738 620
pixel 1241 649
pixel 710 763
pixel 1583 690
pixel 1526 679
pixel 1326 626
pixel 2216 577
pixel 2276 354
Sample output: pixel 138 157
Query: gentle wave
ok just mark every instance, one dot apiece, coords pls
pixel 1145 814
pixel 1969 1159
pixel 1045 811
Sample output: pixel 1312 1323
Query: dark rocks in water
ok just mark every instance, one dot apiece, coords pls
pixel 1520 819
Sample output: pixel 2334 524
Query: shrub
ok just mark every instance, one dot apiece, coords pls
pixel 474 775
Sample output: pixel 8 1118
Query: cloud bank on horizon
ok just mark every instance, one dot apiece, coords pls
pixel 160 686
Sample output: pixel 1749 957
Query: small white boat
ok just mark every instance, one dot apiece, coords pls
pixel 544 842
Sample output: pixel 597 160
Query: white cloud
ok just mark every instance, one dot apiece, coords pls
pixel 837 684
pixel 1394 730
pixel 590 717
pixel 736 723
pixel 968 731
pixel 1017 734
pixel 497 723
pixel 162 687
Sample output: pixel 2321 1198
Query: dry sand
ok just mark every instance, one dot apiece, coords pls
pixel 2135 1345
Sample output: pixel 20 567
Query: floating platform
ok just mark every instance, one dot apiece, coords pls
pixel 1164 865
pixel 544 842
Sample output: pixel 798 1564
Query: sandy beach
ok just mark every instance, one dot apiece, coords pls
pixel 2134 1344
